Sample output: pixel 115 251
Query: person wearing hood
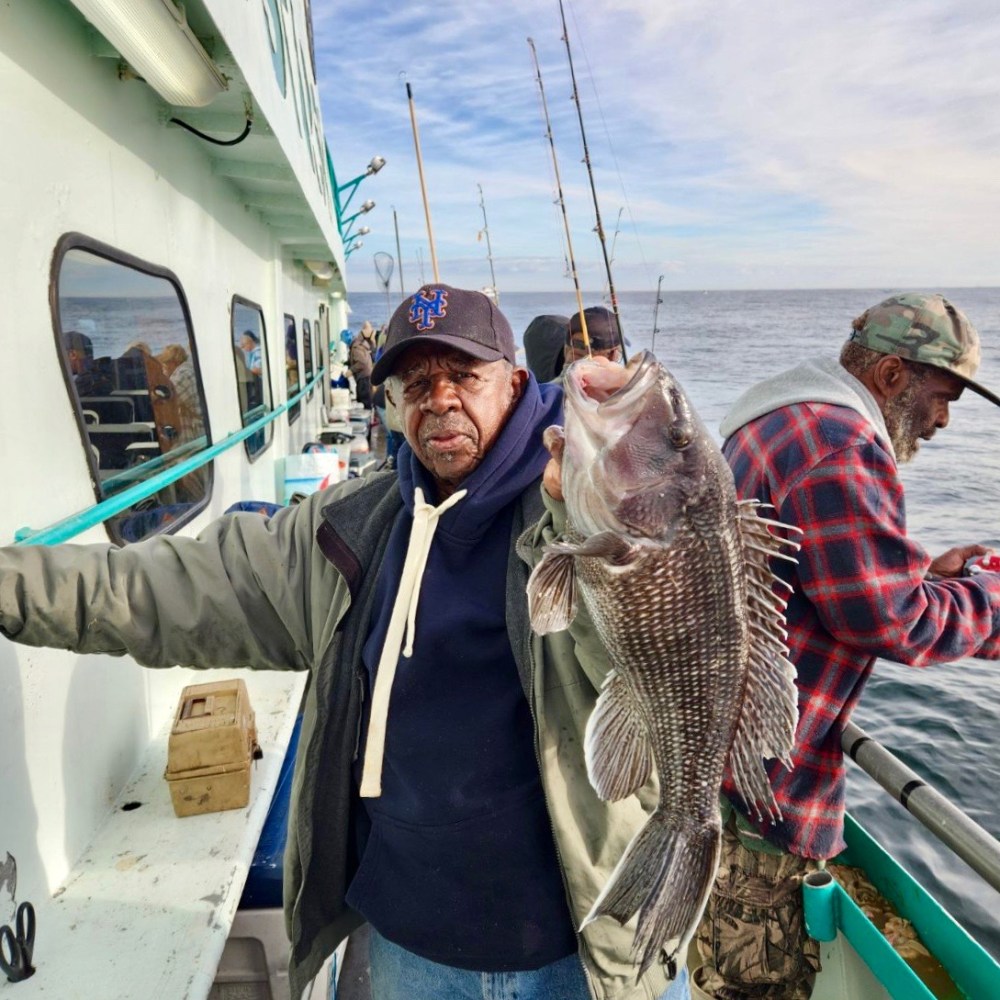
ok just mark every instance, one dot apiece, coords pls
pixel 544 340
pixel 822 444
pixel 360 359
pixel 440 789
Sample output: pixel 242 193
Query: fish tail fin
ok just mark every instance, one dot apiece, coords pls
pixel 667 874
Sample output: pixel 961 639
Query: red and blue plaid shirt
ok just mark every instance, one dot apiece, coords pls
pixel 860 591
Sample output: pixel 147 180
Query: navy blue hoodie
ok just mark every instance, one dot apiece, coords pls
pixel 458 862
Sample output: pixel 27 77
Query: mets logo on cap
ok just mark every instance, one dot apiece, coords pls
pixel 427 306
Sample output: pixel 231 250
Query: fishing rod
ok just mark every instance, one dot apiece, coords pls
pixel 423 186
pixel 599 228
pixel 656 312
pixel 399 254
pixel 562 200
pixel 489 248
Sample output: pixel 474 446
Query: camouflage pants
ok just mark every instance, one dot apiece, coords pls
pixel 752 939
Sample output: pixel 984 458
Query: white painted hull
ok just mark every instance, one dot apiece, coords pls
pixel 85 152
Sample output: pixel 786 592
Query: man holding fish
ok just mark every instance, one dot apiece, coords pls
pixel 441 790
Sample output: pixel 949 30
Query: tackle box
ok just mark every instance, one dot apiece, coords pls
pixel 212 744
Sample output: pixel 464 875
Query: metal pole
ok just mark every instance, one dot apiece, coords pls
pixel 399 254
pixel 656 312
pixel 423 186
pixel 599 228
pixel 562 201
pixel 974 845
pixel 489 248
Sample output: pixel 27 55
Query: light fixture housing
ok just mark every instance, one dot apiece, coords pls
pixel 153 36
pixel 321 269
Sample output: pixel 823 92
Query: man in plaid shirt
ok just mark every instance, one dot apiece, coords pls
pixel 821 443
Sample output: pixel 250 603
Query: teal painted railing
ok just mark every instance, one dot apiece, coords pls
pixel 79 522
pixel 829 909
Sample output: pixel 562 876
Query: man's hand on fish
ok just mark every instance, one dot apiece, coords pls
pixel 603 383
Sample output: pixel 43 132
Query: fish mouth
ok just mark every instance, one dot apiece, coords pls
pixel 593 388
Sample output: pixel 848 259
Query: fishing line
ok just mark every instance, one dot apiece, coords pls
pixel 607 134
pixel 593 189
pixel 562 200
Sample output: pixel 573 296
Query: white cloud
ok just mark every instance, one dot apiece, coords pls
pixel 774 142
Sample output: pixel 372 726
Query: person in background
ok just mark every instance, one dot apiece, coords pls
pixel 131 368
pixel 603 332
pixel 386 411
pixel 440 790
pixel 180 372
pixel 91 378
pixel 250 345
pixel 360 360
pixel 176 363
pixel 544 341
pixel 822 444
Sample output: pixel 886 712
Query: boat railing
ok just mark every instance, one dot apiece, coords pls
pixel 966 838
pixel 73 525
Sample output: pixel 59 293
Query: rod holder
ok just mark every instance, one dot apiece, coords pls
pixel 820 898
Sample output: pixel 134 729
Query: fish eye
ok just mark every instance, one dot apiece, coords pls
pixel 680 436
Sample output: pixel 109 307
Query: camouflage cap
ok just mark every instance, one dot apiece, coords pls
pixel 927 329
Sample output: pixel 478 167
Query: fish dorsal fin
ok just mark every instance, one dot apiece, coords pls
pixel 766 727
pixel 619 759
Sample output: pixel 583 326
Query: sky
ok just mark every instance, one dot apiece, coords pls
pixel 775 144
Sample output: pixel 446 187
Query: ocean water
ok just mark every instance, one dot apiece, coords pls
pixel 943 721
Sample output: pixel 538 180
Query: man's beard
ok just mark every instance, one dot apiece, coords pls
pixel 906 420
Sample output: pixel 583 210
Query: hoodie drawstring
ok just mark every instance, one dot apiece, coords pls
pixel 402 625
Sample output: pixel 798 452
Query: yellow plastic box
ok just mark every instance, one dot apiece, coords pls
pixel 212 744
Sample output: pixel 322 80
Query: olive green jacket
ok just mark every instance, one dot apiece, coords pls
pixel 296 592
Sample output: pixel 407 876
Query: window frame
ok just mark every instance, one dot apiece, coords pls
pixel 294 412
pixel 265 374
pixel 80 241
pixel 308 369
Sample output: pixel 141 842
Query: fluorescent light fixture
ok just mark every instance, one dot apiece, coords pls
pixel 154 38
pixel 322 269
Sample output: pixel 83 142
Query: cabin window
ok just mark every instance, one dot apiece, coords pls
pixel 276 36
pixel 253 377
pixel 291 366
pixel 307 358
pixel 124 337
pixel 322 342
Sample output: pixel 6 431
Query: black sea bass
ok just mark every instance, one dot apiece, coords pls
pixel 675 574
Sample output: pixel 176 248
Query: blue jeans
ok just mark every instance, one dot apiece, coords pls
pixel 397 974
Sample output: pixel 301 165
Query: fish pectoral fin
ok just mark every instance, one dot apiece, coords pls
pixel 606 545
pixel 616 747
pixel 552 597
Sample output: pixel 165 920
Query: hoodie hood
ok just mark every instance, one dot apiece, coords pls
pixel 822 380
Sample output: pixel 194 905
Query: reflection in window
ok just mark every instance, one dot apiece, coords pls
pixel 130 362
pixel 307 358
pixel 291 367
pixel 253 380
